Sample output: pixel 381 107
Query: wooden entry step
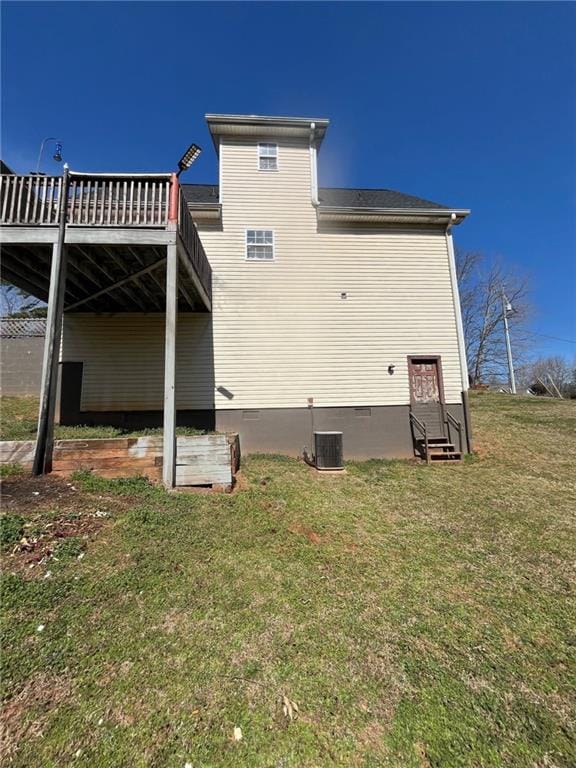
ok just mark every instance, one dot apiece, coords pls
pixel 444 456
pixel 439 449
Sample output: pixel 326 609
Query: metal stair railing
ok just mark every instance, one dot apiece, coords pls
pixel 451 421
pixel 422 429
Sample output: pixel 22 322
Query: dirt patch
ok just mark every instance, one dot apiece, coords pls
pixel 373 736
pixel 57 516
pixel 24 494
pixel 25 715
pixel 240 482
pixel 301 530
pixel 422 755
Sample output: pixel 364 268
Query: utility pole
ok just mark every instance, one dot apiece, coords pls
pixel 507 307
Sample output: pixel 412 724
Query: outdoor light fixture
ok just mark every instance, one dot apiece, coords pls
pixel 188 158
pixel 57 154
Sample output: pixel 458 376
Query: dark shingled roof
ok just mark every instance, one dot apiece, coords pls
pixel 332 196
pixel 200 193
pixel 22 327
pixel 372 198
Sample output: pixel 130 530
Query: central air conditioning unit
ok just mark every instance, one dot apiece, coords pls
pixel 328 450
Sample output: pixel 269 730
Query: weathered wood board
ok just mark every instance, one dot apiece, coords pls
pixel 200 459
pixel 17 452
pixel 203 462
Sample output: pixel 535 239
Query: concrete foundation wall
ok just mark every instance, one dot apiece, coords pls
pixel 21 365
pixel 368 432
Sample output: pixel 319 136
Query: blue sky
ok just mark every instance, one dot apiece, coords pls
pixel 469 104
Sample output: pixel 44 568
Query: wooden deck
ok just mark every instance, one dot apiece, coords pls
pixel 103 243
pixel 117 230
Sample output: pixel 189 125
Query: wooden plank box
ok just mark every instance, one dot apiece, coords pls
pixel 201 460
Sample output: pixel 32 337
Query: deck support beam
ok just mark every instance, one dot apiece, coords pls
pixel 118 284
pixel 169 450
pixel 45 437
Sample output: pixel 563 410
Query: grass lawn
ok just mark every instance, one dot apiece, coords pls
pixel 418 616
pixel 19 421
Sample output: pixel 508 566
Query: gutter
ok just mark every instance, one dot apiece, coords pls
pixel 209 210
pixel 203 206
pixel 266 120
pixel 451 214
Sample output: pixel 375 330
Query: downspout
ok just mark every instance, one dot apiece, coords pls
pixel 313 166
pixel 220 170
pixel 311 458
pixel 459 331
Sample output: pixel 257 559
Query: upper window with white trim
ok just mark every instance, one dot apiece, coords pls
pixel 259 244
pixel 268 157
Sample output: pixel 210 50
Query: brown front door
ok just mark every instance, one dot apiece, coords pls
pixel 426 393
pixel 424 381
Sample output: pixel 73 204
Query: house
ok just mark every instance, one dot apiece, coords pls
pixel 21 349
pixel 326 309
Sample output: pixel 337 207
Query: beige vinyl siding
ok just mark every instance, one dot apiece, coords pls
pixel 282 333
pixel 123 356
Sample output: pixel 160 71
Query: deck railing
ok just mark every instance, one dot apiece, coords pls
pixel 128 201
pixel 29 200
pixel 102 200
pixel 116 200
pixel 194 246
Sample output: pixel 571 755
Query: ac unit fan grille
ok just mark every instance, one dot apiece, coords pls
pixel 328 450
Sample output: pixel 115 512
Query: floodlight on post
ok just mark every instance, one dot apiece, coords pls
pixel 188 158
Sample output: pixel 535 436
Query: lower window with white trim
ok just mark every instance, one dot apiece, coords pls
pixel 259 244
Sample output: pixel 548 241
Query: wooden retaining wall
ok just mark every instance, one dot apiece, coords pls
pixel 200 459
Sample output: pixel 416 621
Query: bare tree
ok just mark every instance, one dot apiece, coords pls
pixel 481 285
pixel 535 375
pixel 16 302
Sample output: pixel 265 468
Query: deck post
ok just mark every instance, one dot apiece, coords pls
pixel 169 449
pixel 45 436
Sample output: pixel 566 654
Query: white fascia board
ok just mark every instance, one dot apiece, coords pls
pixel 460 213
pixel 205 211
pixel 264 126
pixel 255 120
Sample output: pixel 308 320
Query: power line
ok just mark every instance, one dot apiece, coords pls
pixel 556 338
